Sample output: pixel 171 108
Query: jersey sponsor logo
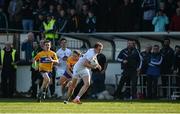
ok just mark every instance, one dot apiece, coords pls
pixel 45 60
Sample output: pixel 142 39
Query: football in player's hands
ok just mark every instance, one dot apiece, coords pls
pixel 94 62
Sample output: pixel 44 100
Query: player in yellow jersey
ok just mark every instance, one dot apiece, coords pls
pixel 65 79
pixel 46 59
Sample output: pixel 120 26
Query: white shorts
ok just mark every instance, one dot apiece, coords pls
pixel 59 73
pixel 46 74
pixel 81 73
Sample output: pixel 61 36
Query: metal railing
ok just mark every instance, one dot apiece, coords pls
pixel 171 88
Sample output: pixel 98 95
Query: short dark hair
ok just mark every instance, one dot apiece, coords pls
pixel 156 46
pixel 62 39
pixel 77 52
pixel 167 39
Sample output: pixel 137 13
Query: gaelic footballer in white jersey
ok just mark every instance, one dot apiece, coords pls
pixel 82 70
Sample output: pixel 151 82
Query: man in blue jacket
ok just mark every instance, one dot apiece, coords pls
pixel 153 72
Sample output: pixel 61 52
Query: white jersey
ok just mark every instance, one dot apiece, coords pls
pixel 89 55
pixel 60 54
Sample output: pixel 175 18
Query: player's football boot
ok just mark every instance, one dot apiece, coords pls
pixel 65 102
pixel 39 97
pixel 77 101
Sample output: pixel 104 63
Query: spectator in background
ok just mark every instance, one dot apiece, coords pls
pixel 62 21
pixel 168 55
pixel 49 29
pixel 38 21
pixel 177 65
pixel 73 23
pixel 105 20
pixel 91 22
pixel 9 60
pixel 93 6
pixel 78 5
pixel 27 16
pixel 3 20
pixel 137 15
pixel 160 21
pixel 153 72
pixel 34 72
pixel 83 18
pixel 4 6
pixel 58 9
pixel 51 10
pixel 167 63
pixel 27 47
pixel 163 7
pixel 65 4
pixel 177 59
pixel 126 17
pixel 170 8
pixel 39 7
pixel 175 22
pixel 39 12
pixel 146 54
pixel 149 8
pixel 14 11
pixel 131 62
pixel 98 76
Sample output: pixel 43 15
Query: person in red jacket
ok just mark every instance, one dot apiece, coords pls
pixel 175 22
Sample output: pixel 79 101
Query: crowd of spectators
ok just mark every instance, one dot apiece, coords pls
pixel 92 15
pixel 155 63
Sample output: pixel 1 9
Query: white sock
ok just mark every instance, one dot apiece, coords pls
pixel 77 97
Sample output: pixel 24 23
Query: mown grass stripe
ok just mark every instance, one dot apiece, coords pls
pixel 144 106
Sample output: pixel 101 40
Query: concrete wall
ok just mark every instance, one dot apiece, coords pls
pixel 23 79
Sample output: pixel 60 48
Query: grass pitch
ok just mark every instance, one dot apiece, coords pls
pixel 57 106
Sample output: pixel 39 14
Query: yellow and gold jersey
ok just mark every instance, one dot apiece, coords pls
pixel 70 63
pixel 44 62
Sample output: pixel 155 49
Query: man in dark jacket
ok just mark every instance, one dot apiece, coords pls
pixel 8 74
pixel 131 62
pixel 167 63
pixel 177 65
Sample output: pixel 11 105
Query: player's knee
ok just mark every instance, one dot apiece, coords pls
pixel 62 81
pixel 68 84
pixel 47 79
pixel 72 87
